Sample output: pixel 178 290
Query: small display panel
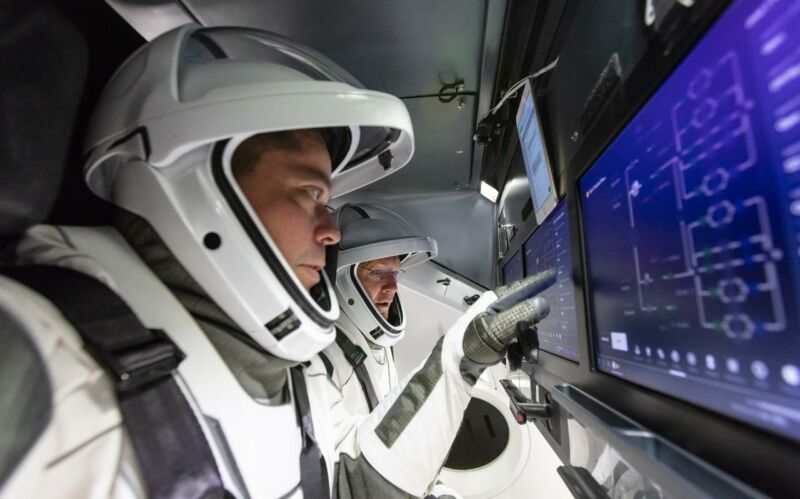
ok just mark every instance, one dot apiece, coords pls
pixel 534 155
pixel 692 226
pixel 513 269
pixel 549 248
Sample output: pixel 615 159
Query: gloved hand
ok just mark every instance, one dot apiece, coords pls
pixel 515 311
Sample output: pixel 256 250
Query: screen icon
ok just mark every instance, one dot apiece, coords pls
pixel 759 370
pixel 732 365
pixel 791 375
pixel 619 341
pixel 711 362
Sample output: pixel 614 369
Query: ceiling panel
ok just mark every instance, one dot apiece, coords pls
pixel 407 48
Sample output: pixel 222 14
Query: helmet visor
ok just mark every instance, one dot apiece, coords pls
pixel 245 60
pixel 281 208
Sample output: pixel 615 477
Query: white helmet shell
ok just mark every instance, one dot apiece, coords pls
pixel 370 232
pixel 160 144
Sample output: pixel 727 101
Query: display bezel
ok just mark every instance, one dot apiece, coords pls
pixel 523 250
pixel 685 394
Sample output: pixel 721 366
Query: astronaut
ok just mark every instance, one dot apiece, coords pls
pixel 376 246
pixel 177 143
pixel 221 227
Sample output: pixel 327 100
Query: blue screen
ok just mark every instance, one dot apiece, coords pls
pixel 533 155
pixel 692 226
pixel 549 248
pixel 513 269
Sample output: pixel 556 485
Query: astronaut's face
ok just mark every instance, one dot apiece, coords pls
pixel 288 188
pixel 379 279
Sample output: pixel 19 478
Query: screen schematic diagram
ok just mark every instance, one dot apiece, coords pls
pixel 692 226
pixel 719 240
pixel 549 248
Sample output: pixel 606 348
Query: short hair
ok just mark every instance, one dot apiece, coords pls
pixel 249 152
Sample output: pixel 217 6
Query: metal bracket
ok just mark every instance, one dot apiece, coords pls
pixel 523 408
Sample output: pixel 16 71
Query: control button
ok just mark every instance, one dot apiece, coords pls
pixel 791 375
pixel 660 353
pixel 675 356
pixel 711 362
pixel 619 341
pixel 732 365
pixel 691 358
pixel 647 351
pixel 759 370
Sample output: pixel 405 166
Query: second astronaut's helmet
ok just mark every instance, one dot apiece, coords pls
pixel 371 232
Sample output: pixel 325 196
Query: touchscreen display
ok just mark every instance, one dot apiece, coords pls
pixel 692 226
pixel 512 271
pixel 549 248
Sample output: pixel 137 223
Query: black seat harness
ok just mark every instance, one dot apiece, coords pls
pixel 171 449
pixel 313 470
pixel 356 356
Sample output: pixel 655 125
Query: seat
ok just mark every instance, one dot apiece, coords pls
pixel 43 65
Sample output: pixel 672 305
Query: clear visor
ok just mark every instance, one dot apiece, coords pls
pixel 375 284
pixel 371 232
pixel 245 51
pixel 207 45
pixel 282 209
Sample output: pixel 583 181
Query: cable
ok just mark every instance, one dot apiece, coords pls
pixel 511 91
pixel 487 125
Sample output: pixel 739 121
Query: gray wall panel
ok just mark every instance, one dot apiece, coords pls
pixel 442 148
pixel 407 48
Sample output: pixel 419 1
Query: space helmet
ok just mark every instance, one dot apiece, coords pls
pixel 160 145
pixel 370 232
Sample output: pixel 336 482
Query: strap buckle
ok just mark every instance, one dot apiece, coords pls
pixel 352 352
pixel 356 356
pixel 143 361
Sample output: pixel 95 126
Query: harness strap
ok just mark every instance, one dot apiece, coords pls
pixel 313 472
pixel 356 356
pixel 173 454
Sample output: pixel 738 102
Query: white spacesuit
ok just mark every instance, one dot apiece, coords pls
pixel 361 361
pixel 364 336
pixel 193 258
